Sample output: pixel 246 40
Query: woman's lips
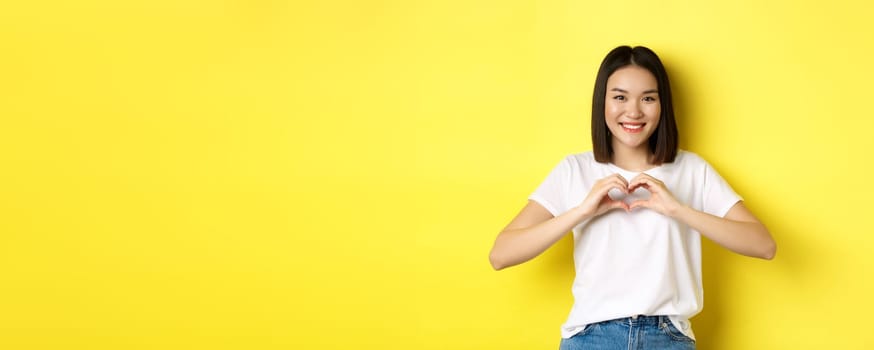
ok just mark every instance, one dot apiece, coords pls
pixel 632 128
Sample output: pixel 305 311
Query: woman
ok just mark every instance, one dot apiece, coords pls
pixel 637 207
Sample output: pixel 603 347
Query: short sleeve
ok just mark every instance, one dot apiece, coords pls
pixel 719 197
pixel 552 192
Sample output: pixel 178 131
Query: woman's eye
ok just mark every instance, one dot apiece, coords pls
pixel 619 98
pixel 649 99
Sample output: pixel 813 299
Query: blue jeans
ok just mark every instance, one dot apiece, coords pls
pixel 642 332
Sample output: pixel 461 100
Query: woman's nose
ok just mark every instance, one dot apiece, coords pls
pixel 634 111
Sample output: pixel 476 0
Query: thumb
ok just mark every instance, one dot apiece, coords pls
pixel 619 205
pixel 639 203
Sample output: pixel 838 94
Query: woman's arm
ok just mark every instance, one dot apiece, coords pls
pixel 530 233
pixel 534 229
pixel 739 231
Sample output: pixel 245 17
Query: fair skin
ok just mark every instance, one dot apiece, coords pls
pixel 632 111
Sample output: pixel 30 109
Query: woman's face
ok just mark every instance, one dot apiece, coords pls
pixel 632 108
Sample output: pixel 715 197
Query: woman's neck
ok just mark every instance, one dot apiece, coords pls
pixel 633 159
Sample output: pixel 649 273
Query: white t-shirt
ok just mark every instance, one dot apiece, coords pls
pixel 639 262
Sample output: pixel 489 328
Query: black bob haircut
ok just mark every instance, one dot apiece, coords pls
pixel 664 140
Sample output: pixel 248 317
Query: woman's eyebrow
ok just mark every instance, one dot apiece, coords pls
pixel 625 92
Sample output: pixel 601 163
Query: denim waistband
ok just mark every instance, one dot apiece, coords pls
pixel 643 320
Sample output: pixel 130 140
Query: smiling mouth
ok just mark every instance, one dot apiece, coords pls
pixel 632 128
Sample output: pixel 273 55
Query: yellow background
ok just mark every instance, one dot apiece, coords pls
pixel 251 174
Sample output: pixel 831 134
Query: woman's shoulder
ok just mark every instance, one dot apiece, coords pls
pixel 575 162
pixel 582 156
pixel 690 160
pixel 582 159
pixel 684 156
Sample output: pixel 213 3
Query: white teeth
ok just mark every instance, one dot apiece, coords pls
pixel 631 126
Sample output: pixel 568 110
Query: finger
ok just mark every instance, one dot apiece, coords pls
pixel 608 204
pixel 649 183
pixel 638 183
pixel 599 194
pixel 614 204
pixel 612 177
pixel 639 204
pixel 611 183
pixel 621 179
pixel 644 177
pixel 620 184
pixel 640 176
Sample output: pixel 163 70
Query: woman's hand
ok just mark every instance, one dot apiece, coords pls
pixel 597 202
pixel 661 200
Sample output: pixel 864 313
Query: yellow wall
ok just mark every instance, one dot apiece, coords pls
pixel 331 174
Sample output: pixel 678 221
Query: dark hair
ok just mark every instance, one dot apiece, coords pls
pixel 664 140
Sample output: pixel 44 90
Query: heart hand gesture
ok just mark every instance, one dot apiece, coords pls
pixel 661 200
pixel 599 201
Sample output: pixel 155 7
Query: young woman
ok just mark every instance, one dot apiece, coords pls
pixel 637 207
